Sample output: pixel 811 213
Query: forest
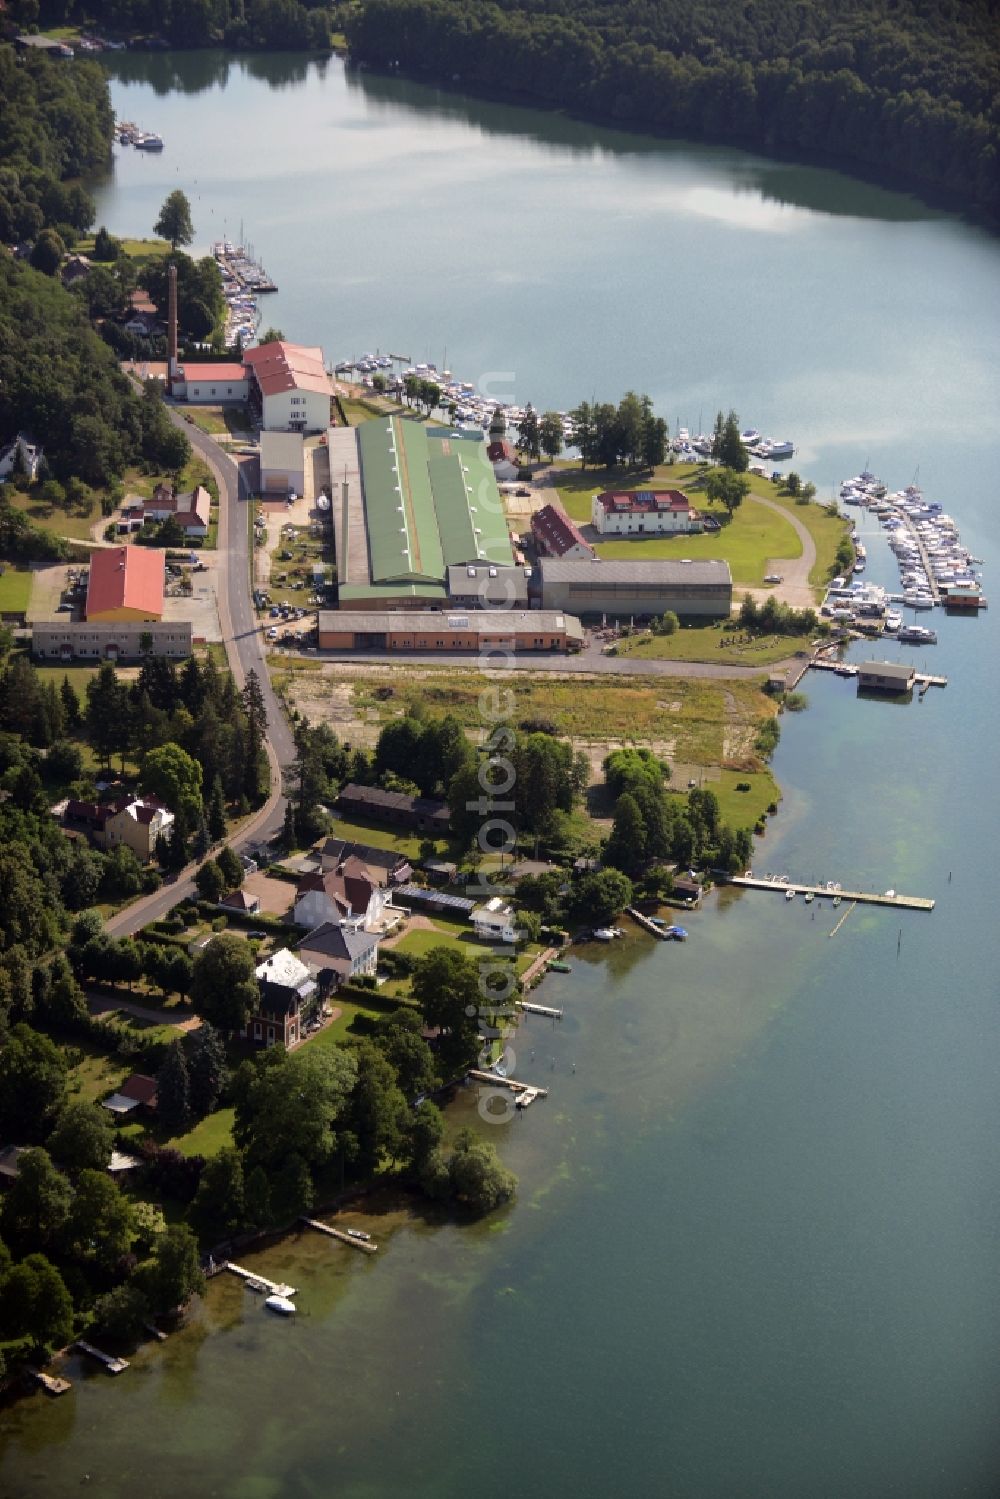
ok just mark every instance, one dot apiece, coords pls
pixel 250 24
pixel 905 87
pixel 55 126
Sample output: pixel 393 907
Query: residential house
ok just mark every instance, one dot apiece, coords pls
pixel 556 535
pixel 647 512
pixel 286 989
pixel 503 458
pixel 20 450
pixel 134 821
pixel 495 921
pixel 192 511
pixel 240 902
pixel 384 866
pixel 336 895
pixel 136 1095
pixel 75 268
pixel 339 951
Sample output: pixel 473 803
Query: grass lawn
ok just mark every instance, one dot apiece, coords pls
pixel 355 1019
pixel 78 676
pixel 95 1075
pixel 75 523
pixel 704 643
pixel 15 589
pixel 825 528
pixel 358 411
pixel 377 836
pixel 741 809
pixel 755 535
pixel 221 421
pixel 139 250
pixel 208 1136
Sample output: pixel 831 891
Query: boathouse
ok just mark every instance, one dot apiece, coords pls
pixel 886 676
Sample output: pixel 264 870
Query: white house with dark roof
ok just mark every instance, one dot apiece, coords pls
pixel 341 951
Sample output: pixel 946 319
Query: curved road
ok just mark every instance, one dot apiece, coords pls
pixel 794 588
pixel 245 653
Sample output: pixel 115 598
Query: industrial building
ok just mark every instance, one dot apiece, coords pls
pixel 121 640
pixel 636 589
pixel 430 630
pixel 647 512
pixel 480 585
pixel 288 388
pixel 125 583
pixel 210 384
pixel 282 463
pixel 408 504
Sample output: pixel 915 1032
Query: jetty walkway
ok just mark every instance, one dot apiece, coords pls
pixel 862 897
pixel 524 1093
pixel 112 1364
pixel 341 1234
pixel 259 1282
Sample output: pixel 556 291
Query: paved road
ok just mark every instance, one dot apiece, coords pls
pixel 103 1004
pixel 244 645
pixel 794 588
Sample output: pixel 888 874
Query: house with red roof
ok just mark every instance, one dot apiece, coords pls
pixel 644 512
pixel 503 458
pixel 288 387
pixel 347 893
pixel 192 511
pixel 125 583
pixel 210 384
pixel 135 821
pixel 556 535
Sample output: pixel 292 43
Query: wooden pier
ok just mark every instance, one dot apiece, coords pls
pixel 341 1234
pixel 112 1364
pixel 861 897
pixel 511 1083
pixel 536 969
pixel 259 1282
pixel 532 1009
pixel 649 926
pixel 50 1383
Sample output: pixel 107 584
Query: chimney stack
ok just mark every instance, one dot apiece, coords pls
pixel 173 368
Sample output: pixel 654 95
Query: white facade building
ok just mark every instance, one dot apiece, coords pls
pixel 644 513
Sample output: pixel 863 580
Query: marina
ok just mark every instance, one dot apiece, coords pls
pixel 243 280
pixel 791 888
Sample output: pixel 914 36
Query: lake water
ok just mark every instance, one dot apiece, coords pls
pixel 755 1246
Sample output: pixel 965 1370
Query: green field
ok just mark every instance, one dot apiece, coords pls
pixel 754 536
pixel 705 643
pixel 221 421
pixel 378 836
pixel 15 589
pixel 95 1075
pixel 208 1136
pixel 139 250
pixel 825 528
pixel 74 523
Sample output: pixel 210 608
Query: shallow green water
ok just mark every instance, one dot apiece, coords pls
pixel 755 1247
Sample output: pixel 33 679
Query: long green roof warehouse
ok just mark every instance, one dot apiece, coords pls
pixel 408 503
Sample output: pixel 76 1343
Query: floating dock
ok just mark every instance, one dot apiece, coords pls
pixel 532 1009
pixel 511 1083
pixel 112 1364
pixel 259 1282
pixel 861 897
pixel 341 1234
pixel 50 1383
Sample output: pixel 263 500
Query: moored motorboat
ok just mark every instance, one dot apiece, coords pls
pixel 281 1305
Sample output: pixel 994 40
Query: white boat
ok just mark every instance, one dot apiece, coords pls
pixel 149 142
pixel 808 897
pixel 281 1305
pixel 604 934
pixel 750 437
pixel 782 449
pixel 323 502
pixel 789 894
pixel 893 620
